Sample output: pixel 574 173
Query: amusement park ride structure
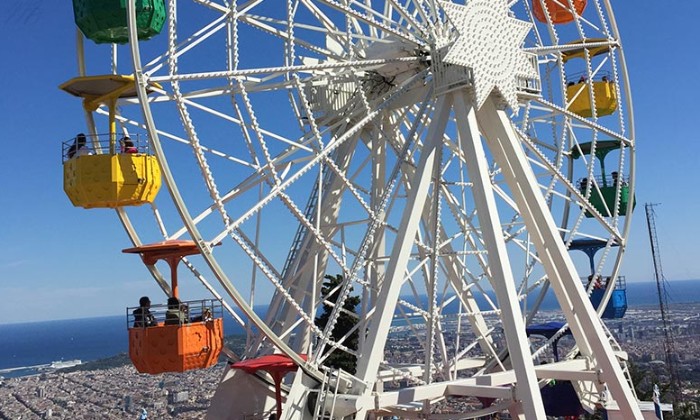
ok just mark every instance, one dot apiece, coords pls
pixel 670 353
pixel 444 158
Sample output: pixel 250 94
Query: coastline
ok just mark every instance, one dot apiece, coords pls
pixel 100 338
pixel 113 388
pixel 121 359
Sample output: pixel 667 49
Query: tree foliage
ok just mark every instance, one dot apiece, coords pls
pixel 347 320
pixel 644 380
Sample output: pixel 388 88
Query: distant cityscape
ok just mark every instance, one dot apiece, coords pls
pixel 114 390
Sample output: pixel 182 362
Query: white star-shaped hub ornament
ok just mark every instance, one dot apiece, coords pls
pixel 489 43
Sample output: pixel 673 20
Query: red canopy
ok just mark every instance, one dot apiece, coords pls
pixel 272 363
pixel 276 365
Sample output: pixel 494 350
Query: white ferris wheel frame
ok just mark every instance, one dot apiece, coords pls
pixel 504 142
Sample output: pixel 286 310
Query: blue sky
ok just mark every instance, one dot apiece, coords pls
pixel 61 262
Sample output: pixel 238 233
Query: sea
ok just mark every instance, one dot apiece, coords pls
pixel 30 348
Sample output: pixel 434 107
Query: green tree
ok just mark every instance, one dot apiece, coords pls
pixel 346 322
pixel 644 380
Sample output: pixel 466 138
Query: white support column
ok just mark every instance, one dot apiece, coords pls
pixel 377 270
pixel 499 267
pixel 379 144
pixel 585 324
pixel 373 352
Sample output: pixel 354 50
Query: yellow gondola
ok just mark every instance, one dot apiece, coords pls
pixel 579 100
pixel 578 95
pixel 101 174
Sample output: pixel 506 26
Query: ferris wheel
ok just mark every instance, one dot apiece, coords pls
pixel 441 161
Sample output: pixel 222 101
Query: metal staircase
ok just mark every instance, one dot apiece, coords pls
pixel 329 389
pixel 623 362
pixel 301 230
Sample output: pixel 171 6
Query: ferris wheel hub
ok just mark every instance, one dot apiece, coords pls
pixel 489 44
pixel 340 93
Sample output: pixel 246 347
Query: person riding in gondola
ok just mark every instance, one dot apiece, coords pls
pixel 177 312
pixel 79 147
pixel 128 145
pixel 142 315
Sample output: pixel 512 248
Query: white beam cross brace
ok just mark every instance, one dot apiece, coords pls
pixel 578 310
pixel 373 351
pixel 500 270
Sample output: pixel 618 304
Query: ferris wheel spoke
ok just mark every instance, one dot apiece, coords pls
pixel 219 7
pixel 276 281
pixel 294 144
pixel 185 46
pixel 281 71
pixel 548 49
pixel 253 181
pixel 323 19
pixel 313 162
pixel 252 85
pixel 181 140
pixel 281 29
pixel 387 17
pixel 581 20
pixel 411 20
pixel 369 20
pixel 360 256
pixel 587 123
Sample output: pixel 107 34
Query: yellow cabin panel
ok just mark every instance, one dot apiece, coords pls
pixel 110 181
pixel 605 98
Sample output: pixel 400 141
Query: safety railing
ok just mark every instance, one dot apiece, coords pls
pixel 601 282
pixel 609 181
pixel 175 314
pixel 103 144
pixel 582 77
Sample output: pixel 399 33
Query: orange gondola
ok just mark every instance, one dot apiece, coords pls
pixel 193 342
pixel 559 10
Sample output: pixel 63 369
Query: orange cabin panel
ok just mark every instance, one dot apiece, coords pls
pixel 559 10
pixel 176 348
